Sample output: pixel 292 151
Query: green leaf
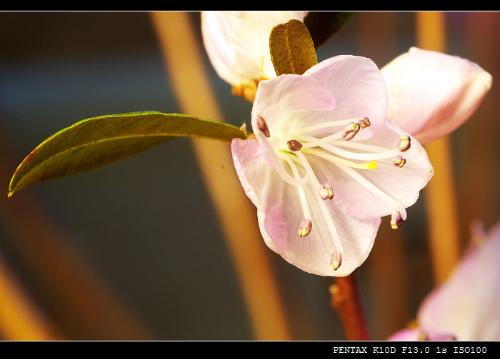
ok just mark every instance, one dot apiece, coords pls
pixel 322 25
pixel 96 141
pixel 292 48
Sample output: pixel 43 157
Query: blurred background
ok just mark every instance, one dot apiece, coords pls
pixel 134 250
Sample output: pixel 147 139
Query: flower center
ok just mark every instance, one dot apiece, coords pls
pixel 294 155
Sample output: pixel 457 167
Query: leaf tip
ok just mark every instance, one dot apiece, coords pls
pixel 10 194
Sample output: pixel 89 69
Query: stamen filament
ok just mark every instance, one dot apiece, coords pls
pixel 375 190
pixel 355 155
pixel 320 126
pixel 276 163
pixel 324 209
pixel 302 194
pixel 341 161
pixel 314 142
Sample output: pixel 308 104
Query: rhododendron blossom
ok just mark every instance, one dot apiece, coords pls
pixel 326 164
pixel 431 94
pixel 467 306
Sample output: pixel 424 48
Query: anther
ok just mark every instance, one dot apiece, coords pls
pixel 335 260
pixel 262 125
pixel 351 131
pixel 399 162
pixel 326 191
pixel 365 122
pixel 294 145
pixel 404 143
pixel 396 220
pixel 304 228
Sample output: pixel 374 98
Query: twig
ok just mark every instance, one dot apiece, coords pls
pixel 346 301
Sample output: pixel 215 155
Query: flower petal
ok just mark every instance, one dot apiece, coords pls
pixel 406 335
pixel 279 214
pixel 237 42
pixel 401 184
pixel 418 334
pixel 431 94
pixel 468 304
pixel 358 88
pixel 291 101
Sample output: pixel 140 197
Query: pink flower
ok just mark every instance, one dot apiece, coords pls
pixel 326 164
pixel 467 306
pixel 237 43
pixel 431 94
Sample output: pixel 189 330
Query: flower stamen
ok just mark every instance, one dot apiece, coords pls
pixel 364 123
pixel 351 131
pixel 331 124
pixel 305 225
pixel 304 228
pixel 404 143
pixel 326 191
pixel 371 165
pixel 399 162
pixel 396 220
pixel 262 125
pixel 335 261
pixel 398 207
pixel 337 244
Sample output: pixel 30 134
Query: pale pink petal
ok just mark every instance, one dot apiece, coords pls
pixel 279 214
pixel 358 88
pixel 431 94
pixel 406 335
pixel 290 101
pixel 400 184
pixel 468 304
pixel 419 334
pixel 237 42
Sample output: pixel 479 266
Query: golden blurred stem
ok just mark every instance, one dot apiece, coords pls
pixel 440 197
pixel 346 301
pixel 19 319
pixel 389 311
pixel 237 217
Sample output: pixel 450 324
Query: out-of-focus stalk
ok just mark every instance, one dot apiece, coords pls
pixel 388 311
pixel 19 318
pixel 440 192
pixel 237 217
pixel 346 301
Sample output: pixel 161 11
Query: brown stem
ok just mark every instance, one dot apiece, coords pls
pixel 346 301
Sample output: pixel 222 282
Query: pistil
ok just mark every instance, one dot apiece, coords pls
pixel 294 145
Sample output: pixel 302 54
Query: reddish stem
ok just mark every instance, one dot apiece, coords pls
pixel 346 301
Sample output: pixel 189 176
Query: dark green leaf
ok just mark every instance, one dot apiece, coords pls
pixel 96 141
pixel 292 49
pixel 322 25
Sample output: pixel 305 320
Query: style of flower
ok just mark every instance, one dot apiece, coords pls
pixel 431 93
pixel 467 305
pixel 326 164
pixel 237 44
